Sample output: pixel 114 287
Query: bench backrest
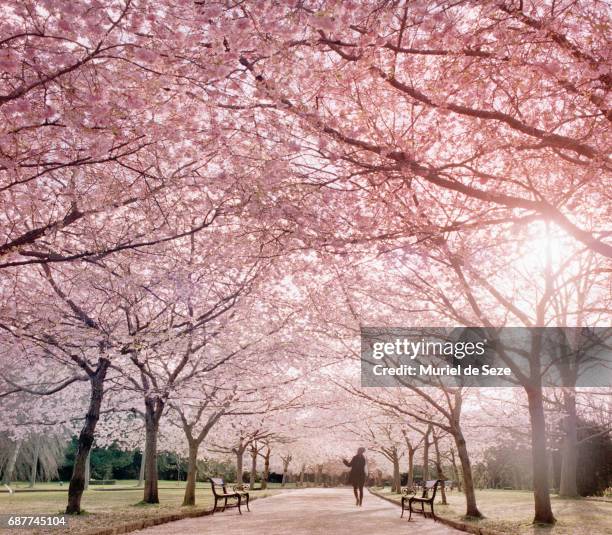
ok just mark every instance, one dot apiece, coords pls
pixel 216 482
pixel 431 485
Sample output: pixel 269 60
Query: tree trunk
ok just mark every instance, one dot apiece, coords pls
pixel 7 476
pixel 319 475
pixel 410 481
pixel 153 411
pixel 192 472
pixel 468 481
pixel 457 475
pixel 569 463
pixel 266 472
pixel 397 483
pixel 87 471
pixel 34 467
pixel 440 474
pixel 86 438
pixel 541 492
pixel 141 474
pixel 286 462
pixel 426 444
pixel 239 470
pixel 302 470
pixel 253 473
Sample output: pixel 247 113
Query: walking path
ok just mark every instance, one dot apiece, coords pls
pixel 307 512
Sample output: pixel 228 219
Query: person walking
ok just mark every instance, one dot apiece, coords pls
pixel 357 475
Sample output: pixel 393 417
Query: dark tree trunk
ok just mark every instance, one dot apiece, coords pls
pixel 541 491
pixel 154 407
pixel 239 469
pixel 141 473
pixel 34 467
pixel 468 481
pixel 426 444
pixel 87 470
pixel 410 482
pixel 253 474
pixel 319 475
pixel 192 472
pixel 194 445
pixel 286 462
pixel 86 438
pixel 9 468
pixel 303 469
pixel 440 473
pixel 397 483
pixel 266 472
pixel 457 475
pixel 569 450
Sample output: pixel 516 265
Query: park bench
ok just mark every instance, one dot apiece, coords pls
pixel 409 491
pixel 220 492
pixel 247 486
pixel 424 499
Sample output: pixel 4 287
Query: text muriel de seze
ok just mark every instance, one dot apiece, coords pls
pixel 412 349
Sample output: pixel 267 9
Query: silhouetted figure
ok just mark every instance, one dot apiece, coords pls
pixel 357 475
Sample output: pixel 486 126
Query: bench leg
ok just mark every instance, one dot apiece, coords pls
pixel 224 504
pixel 403 503
pixel 410 510
pixel 215 507
pixel 239 502
pixel 247 502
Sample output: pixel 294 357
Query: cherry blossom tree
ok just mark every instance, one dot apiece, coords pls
pixel 102 147
pixel 473 295
pixel 431 107
pixel 236 438
pixel 234 391
pixel 194 192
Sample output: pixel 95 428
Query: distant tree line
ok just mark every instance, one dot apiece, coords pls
pixel 112 462
pixel 507 465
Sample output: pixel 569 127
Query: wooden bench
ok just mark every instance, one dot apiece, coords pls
pixel 220 492
pixel 424 499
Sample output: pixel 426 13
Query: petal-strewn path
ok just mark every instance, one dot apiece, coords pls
pixel 307 512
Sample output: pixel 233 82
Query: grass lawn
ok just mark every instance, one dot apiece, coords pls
pixel 106 508
pixel 511 512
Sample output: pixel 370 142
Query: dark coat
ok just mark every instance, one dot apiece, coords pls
pixel 357 475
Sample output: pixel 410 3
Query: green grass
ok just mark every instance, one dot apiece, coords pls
pixel 106 509
pixel 120 484
pixel 511 512
pixel 124 484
